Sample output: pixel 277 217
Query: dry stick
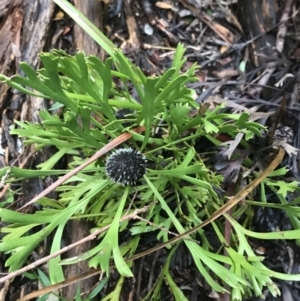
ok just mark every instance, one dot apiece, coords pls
pixel 120 139
pixel 60 285
pixel 222 210
pixel 282 29
pixel 225 34
pixel 33 265
pixel 231 203
pixel 132 26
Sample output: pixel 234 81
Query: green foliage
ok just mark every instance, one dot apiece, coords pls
pixel 84 89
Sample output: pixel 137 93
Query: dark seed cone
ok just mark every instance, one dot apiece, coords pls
pixel 126 166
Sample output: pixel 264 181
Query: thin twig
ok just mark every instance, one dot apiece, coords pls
pixel 221 211
pixel 33 265
pixel 114 143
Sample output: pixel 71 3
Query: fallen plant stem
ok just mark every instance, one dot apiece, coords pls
pixel 231 203
pixel 222 210
pixel 60 285
pixel 114 143
pixel 92 236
